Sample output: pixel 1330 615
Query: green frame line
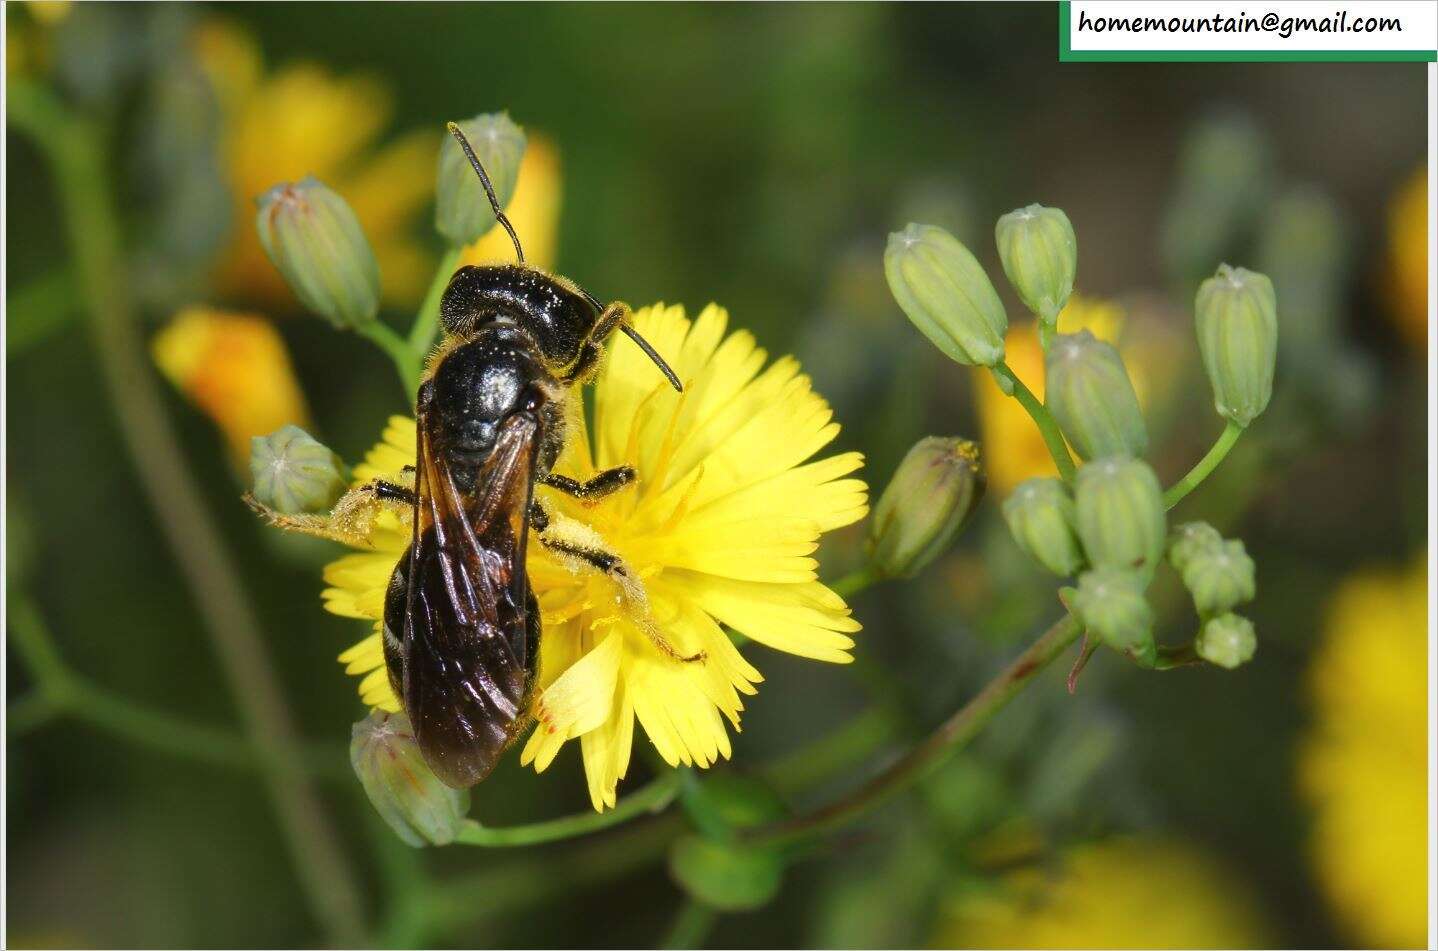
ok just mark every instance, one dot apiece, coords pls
pixel 1068 55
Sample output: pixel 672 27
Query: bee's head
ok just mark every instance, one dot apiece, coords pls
pixel 558 317
pixel 565 322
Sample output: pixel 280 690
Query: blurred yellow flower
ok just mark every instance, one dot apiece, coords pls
pixel 533 210
pixel 235 368
pixel 1123 893
pixel 1364 766
pixel 1408 258
pixel 719 530
pixel 1013 448
pixel 28 40
pixel 301 120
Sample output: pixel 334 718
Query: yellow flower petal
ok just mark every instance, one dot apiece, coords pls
pixel 579 700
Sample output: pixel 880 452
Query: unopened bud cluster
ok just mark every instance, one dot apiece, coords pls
pixel 1107 525
pixel 1219 576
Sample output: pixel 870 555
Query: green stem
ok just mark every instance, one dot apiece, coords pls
pixel 652 798
pixel 692 924
pixel 30 713
pixel 407 361
pixel 61 691
pixel 951 736
pixel 843 747
pixel 855 581
pixel 39 310
pixel 426 322
pixel 77 152
pixel 1206 465
pixel 37 649
pixel 1043 419
pixel 539 880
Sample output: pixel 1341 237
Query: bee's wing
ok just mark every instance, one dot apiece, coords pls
pixel 464 648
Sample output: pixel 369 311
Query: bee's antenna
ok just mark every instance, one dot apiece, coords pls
pixel 653 354
pixel 455 131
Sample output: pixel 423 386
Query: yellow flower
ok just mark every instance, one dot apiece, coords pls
pixel 301 120
pixel 1408 258
pixel 720 529
pixel 235 368
pixel 1013 448
pixel 1364 766
pixel 1123 893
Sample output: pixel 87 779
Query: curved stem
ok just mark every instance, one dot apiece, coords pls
pixel 30 713
pixel 855 581
pixel 407 361
pixel 76 152
pixel 61 691
pixel 1043 419
pixel 952 735
pixel 426 322
pixel 1207 464
pixel 843 747
pixel 529 879
pixel 38 311
pixel 692 924
pixel 652 798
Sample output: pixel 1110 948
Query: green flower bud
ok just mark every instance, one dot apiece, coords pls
pixel 946 294
pixel 1120 519
pixel 1219 577
pixel 462 213
pixel 420 808
pixel 1110 604
pixel 314 239
pixel 726 875
pixel 1088 390
pixel 929 499
pixel 1040 257
pixel 1227 640
pixel 1041 517
pixel 1237 321
pixel 293 472
pixel 1188 540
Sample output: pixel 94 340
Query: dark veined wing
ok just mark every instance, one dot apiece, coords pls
pixel 465 648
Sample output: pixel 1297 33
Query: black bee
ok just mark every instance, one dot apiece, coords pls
pixel 461 625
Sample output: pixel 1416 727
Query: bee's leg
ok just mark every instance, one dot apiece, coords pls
pixel 602 484
pixel 596 558
pixel 585 366
pixel 352 518
pixel 613 567
pixel 538 517
pixel 612 316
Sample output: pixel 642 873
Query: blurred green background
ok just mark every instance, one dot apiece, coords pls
pixel 758 156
